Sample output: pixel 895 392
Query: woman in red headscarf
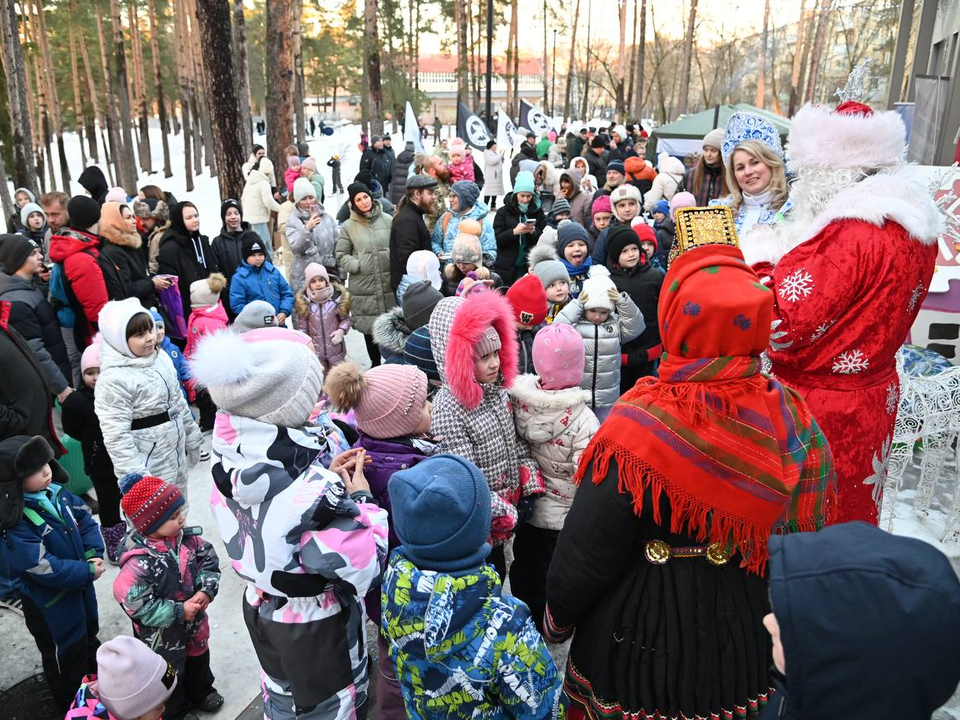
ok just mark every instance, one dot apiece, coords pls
pixel 659 567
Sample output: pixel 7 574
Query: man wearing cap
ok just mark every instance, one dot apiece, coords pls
pixel 409 233
pixel 615 175
pixel 376 162
pixel 597 157
pixel 76 249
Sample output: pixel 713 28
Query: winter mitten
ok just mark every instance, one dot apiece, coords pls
pixel 336 337
pixel 583 298
pixel 614 295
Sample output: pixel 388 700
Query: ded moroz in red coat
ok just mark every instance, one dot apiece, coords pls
pixel 849 287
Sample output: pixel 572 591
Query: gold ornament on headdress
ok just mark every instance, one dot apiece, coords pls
pixel 699 226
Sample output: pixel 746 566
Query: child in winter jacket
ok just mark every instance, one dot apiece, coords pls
pixel 174 353
pixel 461 164
pixel 576 247
pixel 207 314
pixel 308 541
pixel 529 303
pixel 131 681
pixel 552 416
pixel 633 272
pixel 475 347
pixel 50 544
pixel 461 649
pixel 80 421
pixel 466 256
pixel 258 279
pixel 601 214
pixel 392 329
pixel 393 419
pixel 606 319
pixel 168 577
pixel 147 425
pixel 554 277
pixel 323 313
pixel 292 172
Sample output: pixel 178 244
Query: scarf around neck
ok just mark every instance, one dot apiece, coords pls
pixel 737 455
pixel 321 295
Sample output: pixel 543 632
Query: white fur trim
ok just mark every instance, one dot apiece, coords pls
pixel 526 389
pixel 899 196
pixel 222 358
pixel 820 137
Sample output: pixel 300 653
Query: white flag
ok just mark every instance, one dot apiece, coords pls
pixel 507 133
pixel 411 130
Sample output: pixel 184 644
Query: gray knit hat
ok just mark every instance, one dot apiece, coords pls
pixel 560 205
pixel 274 381
pixel 490 342
pixel 549 271
pixel 255 314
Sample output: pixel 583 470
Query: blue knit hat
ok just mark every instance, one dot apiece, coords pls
pixel 441 513
pixel 662 206
pixel 467 192
pixel 418 350
pixel 157 317
pixel 617 166
pixel 524 182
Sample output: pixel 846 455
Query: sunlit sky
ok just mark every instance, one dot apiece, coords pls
pixel 716 18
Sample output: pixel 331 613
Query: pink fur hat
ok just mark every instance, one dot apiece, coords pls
pixel 457 145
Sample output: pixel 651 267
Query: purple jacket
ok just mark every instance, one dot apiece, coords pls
pixel 320 320
pixel 388 456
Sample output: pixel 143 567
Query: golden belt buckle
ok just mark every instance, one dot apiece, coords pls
pixel 657 552
pixel 718 553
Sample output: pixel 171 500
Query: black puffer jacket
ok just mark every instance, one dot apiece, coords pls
pixel 377 163
pixel 36 321
pixel 121 262
pixel 398 182
pixel 508 244
pixel 178 255
pixel 408 234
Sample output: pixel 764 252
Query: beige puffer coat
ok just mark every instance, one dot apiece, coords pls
pixel 363 256
pixel 558 426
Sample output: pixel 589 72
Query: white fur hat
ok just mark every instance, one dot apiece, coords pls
pixel 596 287
pixel 852 137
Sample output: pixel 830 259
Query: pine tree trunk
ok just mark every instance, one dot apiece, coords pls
pixel 54 100
pixel 6 201
pixel 43 103
pixel 640 61
pixel 243 75
pixel 94 101
pixel 460 19
pixel 24 167
pixel 684 90
pixel 113 120
pixel 200 109
pixel 299 90
pixel 511 108
pixel 586 72
pixel 77 99
pixel 146 159
pixel 372 62
pixel 760 99
pixel 184 84
pixel 128 174
pixel 158 84
pixel 795 90
pixel 822 21
pixel 621 61
pixel 279 110
pixel 516 61
pixel 633 64
pixel 570 64
pixel 221 87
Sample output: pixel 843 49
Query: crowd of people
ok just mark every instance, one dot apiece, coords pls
pixel 641 380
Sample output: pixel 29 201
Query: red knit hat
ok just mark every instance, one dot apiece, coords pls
pixel 148 501
pixel 528 300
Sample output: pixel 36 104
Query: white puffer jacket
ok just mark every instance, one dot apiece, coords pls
pixel 601 374
pixel 670 172
pixel 558 426
pixel 257 198
pixel 132 387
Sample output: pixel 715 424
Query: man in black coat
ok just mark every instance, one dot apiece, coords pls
pixel 30 313
pixel 409 233
pixel 401 168
pixel 377 162
pixel 26 406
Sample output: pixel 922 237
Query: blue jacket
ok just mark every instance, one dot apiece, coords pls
pixel 869 622
pixel 462 650
pixel 443 241
pixel 179 362
pixel 49 550
pixel 264 283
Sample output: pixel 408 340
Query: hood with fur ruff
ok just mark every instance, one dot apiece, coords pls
pixel 390 331
pixel 456 327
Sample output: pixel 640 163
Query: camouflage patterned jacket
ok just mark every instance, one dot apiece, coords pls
pixel 156 577
pixel 464 651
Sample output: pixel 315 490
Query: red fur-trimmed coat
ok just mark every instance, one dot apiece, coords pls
pixel 473 420
pixel 847 292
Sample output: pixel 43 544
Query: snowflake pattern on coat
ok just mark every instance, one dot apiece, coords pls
pixel 881 459
pixel 915 296
pixel 796 286
pixel 850 362
pixel 821 330
pixel 893 398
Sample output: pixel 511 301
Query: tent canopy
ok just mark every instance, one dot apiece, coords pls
pixel 684 136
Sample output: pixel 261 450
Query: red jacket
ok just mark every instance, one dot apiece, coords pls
pixel 77 251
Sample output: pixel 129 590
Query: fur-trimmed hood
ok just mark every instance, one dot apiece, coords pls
pixel 123 238
pixel 456 327
pixel 390 331
pixel 539 412
pixel 896 195
pixel 821 137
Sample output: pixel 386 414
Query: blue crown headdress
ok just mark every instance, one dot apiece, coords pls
pixel 744 126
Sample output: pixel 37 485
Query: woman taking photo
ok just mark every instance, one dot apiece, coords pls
pixel 756 176
pixel 311 233
pixel 363 252
pixel 517 225
pixel 661 561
